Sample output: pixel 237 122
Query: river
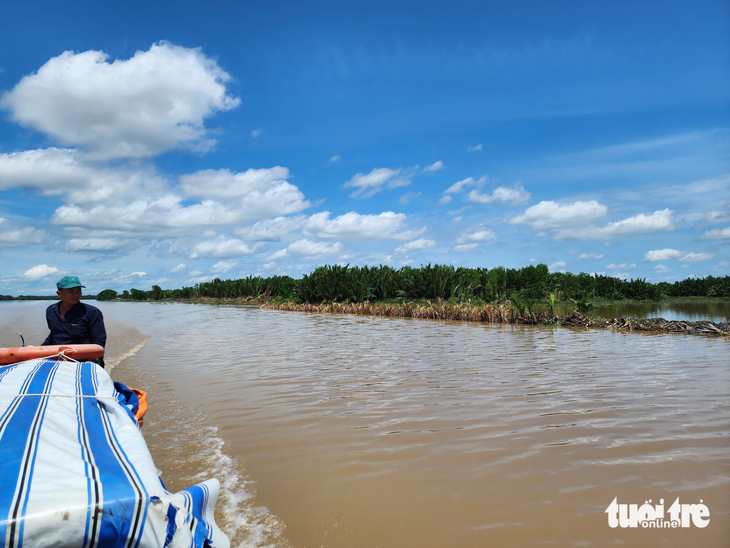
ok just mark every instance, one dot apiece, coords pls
pixel 344 431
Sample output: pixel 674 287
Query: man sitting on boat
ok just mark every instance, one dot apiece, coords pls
pixel 74 322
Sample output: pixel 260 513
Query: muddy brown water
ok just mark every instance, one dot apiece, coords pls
pixel 343 431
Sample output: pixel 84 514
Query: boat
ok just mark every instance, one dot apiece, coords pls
pixel 75 469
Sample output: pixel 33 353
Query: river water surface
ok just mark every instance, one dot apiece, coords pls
pixel 344 431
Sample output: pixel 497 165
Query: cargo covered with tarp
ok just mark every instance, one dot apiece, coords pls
pixel 75 469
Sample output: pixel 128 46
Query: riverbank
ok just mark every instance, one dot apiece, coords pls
pixel 504 313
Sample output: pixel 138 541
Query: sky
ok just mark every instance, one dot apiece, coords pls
pixel 171 143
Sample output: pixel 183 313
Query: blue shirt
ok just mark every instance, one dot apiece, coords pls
pixel 82 324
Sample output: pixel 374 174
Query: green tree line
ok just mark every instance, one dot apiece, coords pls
pixel 335 283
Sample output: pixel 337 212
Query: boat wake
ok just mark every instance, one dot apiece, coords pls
pixel 128 353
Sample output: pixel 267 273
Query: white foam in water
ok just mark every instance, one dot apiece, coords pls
pixel 189 451
pixel 245 523
pixel 131 351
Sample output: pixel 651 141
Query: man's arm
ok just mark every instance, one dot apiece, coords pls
pixel 97 331
pixel 49 338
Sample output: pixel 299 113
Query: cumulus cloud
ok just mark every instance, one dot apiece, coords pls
pixel 445 200
pixel 259 193
pixel 465 248
pixel 477 234
pixel 674 254
pixel 614 266
pixel 227 199
pixel 717 234
pixel 460 186
pixel 415 244
pixel 256 132
pixel 178 268
pixel 140 107
pixel 40 271
pixel 62 172
pixel 334 158
pixel 556 265
pixel 377 180
pixel 310 249
pixel 474 148
pixel 354 226
pixel 408 196
pixel 11 235
pixel 552 215
pixel 589 256
pixel 631 226
pixel 570 222
pixel 98 245
pixel 513 196
pixel 222 248
pixel 434 167
pixel 271 230
pixel 221 267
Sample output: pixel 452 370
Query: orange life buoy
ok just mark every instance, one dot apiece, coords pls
pixel 78 352
pixel 142 407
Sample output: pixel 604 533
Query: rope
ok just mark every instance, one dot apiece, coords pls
pixel 58 396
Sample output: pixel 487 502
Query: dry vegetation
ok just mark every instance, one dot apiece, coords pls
pixel 503 313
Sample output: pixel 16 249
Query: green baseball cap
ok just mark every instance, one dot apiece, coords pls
pixel 67 282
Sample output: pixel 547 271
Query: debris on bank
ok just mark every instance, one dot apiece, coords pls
pixel 504 313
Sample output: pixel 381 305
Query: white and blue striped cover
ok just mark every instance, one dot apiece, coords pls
pixel 75 469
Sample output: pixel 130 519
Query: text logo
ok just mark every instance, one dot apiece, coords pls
pixel 650 517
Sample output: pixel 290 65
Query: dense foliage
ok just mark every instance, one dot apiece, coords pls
pixel 334 283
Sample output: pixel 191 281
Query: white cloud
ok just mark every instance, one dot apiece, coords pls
pixel 222 249
pixel 588 256
pixel 228 199
pixel 559 264
pixel 459 186
pixel 178 268
pixel 551 215
pixel 614 266
pixel 632 226
pixel 717 216
pixel 334 158
pixel 457 219
pixel 256 132
pixel 513 196
pixel 465 248
pixel 675 254
pixel 408 196
pixel 40 271
pixel 154 102
pixel 308 248
pixel 271 230
pixel 415 244
pixel 434 167
pixel 353 226
pixel 221 267
pixel 376 181
pixel 662 268
pixel 63 172
pixel 717 234
pixel 445 200
pixel 97 245
pixel 10 235
pixel 474 148
pixel 478 234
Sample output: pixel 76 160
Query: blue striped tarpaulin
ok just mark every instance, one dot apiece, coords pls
pixel 75 469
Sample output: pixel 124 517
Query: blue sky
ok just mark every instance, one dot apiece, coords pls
pixel 171 143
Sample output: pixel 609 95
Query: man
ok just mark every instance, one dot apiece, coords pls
pixel 73 322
